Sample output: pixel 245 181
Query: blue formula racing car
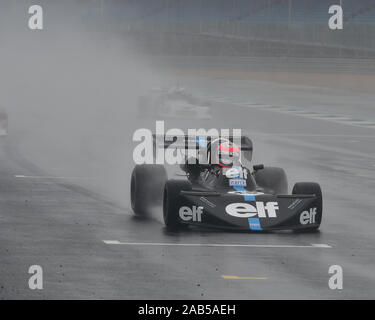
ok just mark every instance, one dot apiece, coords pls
pixel 223 193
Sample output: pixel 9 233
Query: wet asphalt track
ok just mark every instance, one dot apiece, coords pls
pixel 61 224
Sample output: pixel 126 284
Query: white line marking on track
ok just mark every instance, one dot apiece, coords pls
pixel 50 177
pixel 313 245
pixel 302 113
pixel 230 277
pixel 321 245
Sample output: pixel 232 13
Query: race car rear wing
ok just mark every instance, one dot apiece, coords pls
pixel 187 142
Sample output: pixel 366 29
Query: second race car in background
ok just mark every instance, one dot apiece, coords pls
pixel 173 103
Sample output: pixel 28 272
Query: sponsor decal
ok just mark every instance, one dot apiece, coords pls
pixel 254 224
pixel 295 204
pixel 308 217
pixel 247 210
pixel 208 202
pixel 194 214
pixel 235 172
pixel 237 182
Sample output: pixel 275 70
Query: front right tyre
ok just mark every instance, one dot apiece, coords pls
pixel 146 187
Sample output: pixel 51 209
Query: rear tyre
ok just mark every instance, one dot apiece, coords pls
pixel 272 180
pixel 146 187
pixel 311 188
pixel 172 203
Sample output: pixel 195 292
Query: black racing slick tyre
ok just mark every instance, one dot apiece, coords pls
pixel 146 187
pixel 272 179
pixel 172 203
pixel 308 188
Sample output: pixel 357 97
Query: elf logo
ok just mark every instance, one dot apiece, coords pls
pixel 194 214
pixel 235 172
pixel 246 210
pixel 308 217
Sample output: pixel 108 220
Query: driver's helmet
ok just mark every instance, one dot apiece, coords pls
pixel 224 153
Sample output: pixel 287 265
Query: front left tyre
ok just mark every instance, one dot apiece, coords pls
pixel 311 188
